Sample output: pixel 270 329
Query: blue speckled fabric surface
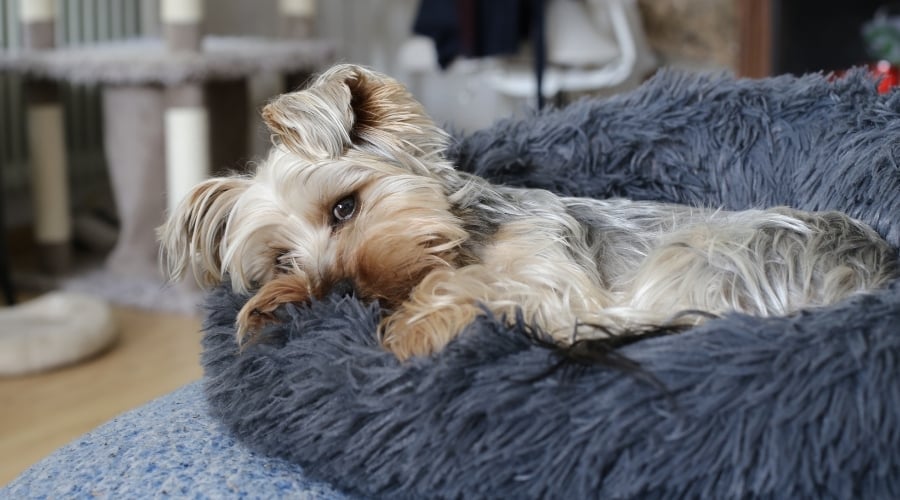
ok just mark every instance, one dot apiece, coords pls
pixel 167 448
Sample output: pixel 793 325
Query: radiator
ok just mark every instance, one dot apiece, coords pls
pixel 78 22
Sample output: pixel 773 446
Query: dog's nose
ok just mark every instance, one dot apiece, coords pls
pixel 344 287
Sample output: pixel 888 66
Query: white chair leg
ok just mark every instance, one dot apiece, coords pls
pixel 46 144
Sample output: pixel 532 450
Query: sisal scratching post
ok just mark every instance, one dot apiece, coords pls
pixel 187 141
pixel 182 24
pixel 298 19
pixel 186 117
pixel 46 144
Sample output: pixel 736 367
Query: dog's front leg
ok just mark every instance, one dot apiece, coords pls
pixel 260 308
pixel 438 309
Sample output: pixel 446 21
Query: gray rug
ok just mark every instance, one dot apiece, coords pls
pixel 138 290
pixel 141 292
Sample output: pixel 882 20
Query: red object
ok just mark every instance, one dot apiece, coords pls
pixel 888 75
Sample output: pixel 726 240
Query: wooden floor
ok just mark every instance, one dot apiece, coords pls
pixel 155 354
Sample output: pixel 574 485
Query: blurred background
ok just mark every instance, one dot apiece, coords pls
pixel 111 109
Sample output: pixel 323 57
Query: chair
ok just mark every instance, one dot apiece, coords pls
pixel 585 60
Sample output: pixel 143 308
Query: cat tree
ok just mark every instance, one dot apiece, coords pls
pixel 174 110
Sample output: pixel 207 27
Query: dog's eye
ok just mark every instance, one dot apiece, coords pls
pixel 343 210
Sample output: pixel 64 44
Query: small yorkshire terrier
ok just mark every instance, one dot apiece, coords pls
pixel 356 197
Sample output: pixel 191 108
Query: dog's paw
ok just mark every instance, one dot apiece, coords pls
pixel 406 340
pixel 259 311
pixel 252 318
pixel 408 332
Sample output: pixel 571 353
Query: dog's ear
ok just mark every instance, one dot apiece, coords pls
pixel 191 238
pixel 353 107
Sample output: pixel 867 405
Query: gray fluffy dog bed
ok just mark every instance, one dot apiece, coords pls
pixel 806 406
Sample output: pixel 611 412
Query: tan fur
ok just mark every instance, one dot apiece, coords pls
pixel 437 247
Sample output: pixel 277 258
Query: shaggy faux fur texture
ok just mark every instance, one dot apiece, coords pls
pixel 806 406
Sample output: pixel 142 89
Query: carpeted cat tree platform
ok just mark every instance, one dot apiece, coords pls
pixel 806 406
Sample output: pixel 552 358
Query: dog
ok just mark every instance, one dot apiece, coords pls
pixel 357 197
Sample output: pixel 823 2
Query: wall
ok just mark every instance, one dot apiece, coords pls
pixel 700 34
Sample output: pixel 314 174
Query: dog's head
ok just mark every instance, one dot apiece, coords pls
pixel 352 196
